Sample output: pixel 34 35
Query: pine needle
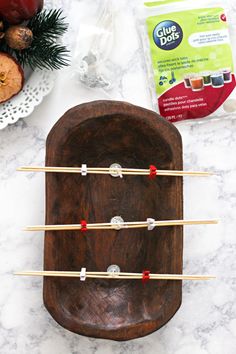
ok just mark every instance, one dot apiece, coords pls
pixel 48 24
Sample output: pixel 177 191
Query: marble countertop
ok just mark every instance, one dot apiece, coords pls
pixel 206 321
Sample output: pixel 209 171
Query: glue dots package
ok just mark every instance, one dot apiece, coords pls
pixel 188 48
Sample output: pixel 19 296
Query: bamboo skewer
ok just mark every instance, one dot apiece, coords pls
pixel 116 226
pixel 123 171
pixel 107 275
pixel 123 225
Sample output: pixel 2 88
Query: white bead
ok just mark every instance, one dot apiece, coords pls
pixel 84 170
pixel 151 224
pixel 83 274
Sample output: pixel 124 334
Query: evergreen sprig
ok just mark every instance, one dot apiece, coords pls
pixel 44 52
pixel 48 24
pixel 44 55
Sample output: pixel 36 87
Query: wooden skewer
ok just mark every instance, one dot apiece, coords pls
pixel 123 171
pixel 106 275
pixel 124 225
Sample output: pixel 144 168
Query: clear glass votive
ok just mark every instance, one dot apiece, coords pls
pixel 197 83
pixel 227 75
pixel 187 78
pixel 206 77
pixel 217 80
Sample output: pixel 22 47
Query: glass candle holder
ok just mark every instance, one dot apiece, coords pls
pixel 217 80
pixel 187 82
pixel 206 78
pixel 197 83
pixel 227 75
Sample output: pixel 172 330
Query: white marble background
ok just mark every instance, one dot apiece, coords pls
pixel 206 321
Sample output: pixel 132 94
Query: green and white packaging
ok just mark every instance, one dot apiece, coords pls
pixel 188 48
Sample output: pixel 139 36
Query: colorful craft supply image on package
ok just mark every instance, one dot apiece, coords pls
pixel 206 78
pixel 197 83
pixel 227 75
pixel 195 40
pixel 187 79
pixel 217 80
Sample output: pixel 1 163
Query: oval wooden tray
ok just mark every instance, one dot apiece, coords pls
pixel 101 133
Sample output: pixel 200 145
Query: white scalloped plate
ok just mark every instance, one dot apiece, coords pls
pixel 38 84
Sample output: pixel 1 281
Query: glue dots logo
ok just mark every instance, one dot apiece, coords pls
pixel 167 35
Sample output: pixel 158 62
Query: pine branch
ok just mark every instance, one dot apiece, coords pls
pixel 48 24
pixel 44 55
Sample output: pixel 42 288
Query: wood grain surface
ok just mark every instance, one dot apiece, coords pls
pixel 101 133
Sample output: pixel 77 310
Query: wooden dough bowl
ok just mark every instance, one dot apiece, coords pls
pixel 99 134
